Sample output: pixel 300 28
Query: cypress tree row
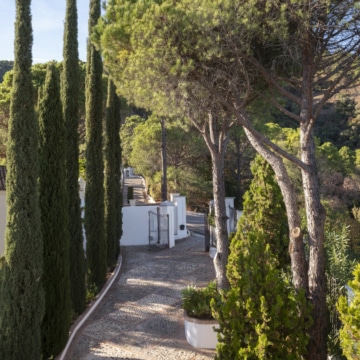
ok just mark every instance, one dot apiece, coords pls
pixel 118 190
pixel 54 217
pixel 70 98
pixel 96 254
pixel 22 295
pixel 109 173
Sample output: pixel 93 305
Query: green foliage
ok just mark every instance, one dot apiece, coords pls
pixel 5 66
pixel 340 123
pixel 22 296
pixel 345 107
pixel 189 164
pixel 54 217
pixel 196 301
pixel 71 104
pixel 146 140
pixel 339 266
pixel 349 309
pixel 264 210
pixel 117 174
pixel 332 159
pixel 110 179
pixel 127 134
pixel 261 316
pixel 96 253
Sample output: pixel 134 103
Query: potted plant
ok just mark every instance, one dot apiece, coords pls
pixel 198 319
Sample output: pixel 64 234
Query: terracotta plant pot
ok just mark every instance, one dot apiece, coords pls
pixel 200 333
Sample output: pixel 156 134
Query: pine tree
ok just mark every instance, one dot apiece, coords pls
pixel 70 98
pixel 274 318
pixel 111 130
pixel 349 310
pixel 96 254
pixel 54 217
pixel 22 296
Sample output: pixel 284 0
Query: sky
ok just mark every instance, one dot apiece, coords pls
pixel 48 27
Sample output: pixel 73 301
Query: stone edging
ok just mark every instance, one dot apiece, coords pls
pixel 92 308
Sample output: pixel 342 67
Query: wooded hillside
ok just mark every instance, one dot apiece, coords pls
pixel 5 65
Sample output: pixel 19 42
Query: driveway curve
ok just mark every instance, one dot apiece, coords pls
pixel 141 318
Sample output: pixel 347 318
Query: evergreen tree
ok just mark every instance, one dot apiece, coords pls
pixel 349 310
pixel 111 180
pixel 22 295
pixel 118 162
pixel 261 316
pixel 70 98
pixel 274 318
pixel 54 217
pixel 264 210
pixel 96 254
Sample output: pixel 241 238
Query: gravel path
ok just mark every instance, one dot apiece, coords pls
pixel 141 318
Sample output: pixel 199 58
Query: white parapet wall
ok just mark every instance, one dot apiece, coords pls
pixel 135 225
pixel 136 221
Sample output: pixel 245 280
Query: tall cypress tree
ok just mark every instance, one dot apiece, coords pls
pixel 109 173
pixel 54 217
pixel 118 191
pixel 70 98
pixel 96 254
pixel 22 295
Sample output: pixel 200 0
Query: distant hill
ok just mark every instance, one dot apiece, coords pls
pixel 5 65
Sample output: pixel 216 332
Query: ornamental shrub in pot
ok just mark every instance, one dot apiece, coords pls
pixel 198 318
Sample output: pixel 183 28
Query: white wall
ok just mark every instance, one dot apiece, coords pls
pixel 180 229
pixel 2 221
pixel 136 225
pixel 136 221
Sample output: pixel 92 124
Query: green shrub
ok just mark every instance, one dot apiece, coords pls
pixel 196 301
pixel 261 316
pixel 349 310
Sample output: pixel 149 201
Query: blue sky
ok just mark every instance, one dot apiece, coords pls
pixel 48 27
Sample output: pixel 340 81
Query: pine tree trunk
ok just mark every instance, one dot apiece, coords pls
pixel 217 141
pixel 315 216
pixel 296 246
pixel 238 169
pixel 222 236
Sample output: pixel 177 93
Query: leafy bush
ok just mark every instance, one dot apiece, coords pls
pixel 349 310
pixel 196 301
pixel 339 267
pixel 261 316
